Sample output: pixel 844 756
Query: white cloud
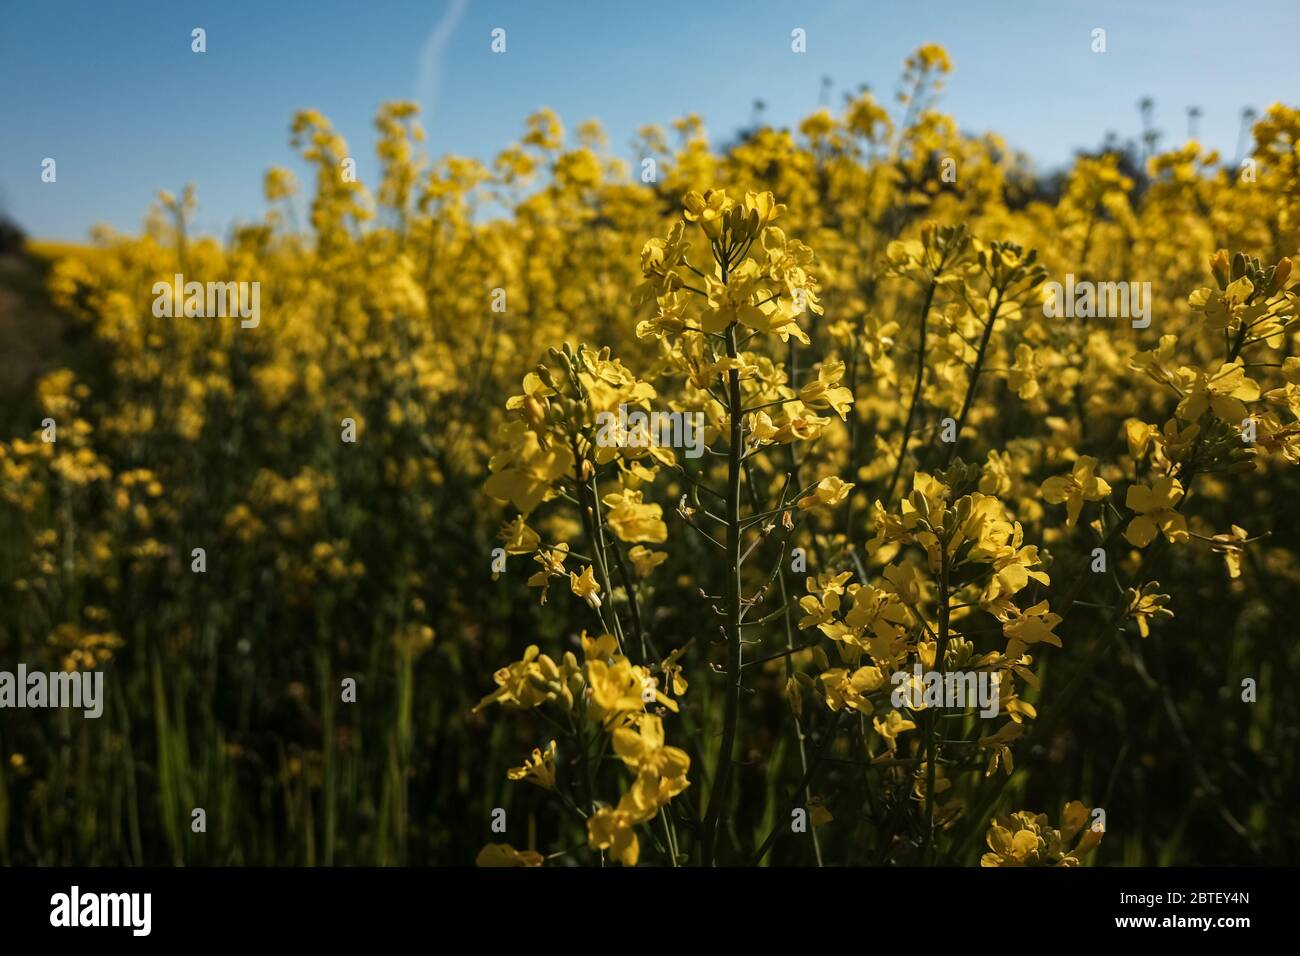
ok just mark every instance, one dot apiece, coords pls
pixel 428 77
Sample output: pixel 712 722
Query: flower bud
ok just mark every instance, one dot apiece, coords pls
pixel 535 413
pixel 1219 266
pixel 1238 266
pixel 1280 275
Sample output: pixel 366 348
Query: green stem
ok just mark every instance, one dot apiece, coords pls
pixel 731 714
pixel 916 391
pixel 974 378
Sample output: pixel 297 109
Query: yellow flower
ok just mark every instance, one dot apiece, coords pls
pixel 1146 603
pixel 1082 484
pixel 674 678
pixel 529 682
pixel 1033 626
pixel 819 612
pixel 1023 376
pixel 707 210
pixel 1231 546
pixel 503 854
pixel 733 301
pixel 518 537
pixel 614 689
pixel 641 747
pixel 766 206
pixel 552 563
pixel 614 829
pixel 278 184
pixel 1000 743
pixel 538 769
pixel 1225 393
pixel 893 725
pixel 1016 845
pixel 1139 436
pixel 645 561
pixel 930 56
pixel 603 647
pixel 1223 310
pixel 524 472
pixel 1155 505
pixel 841 689
pixel 1026 839
pixel 585 586
pixel 825 391
pixel 632 520
pixel 828 491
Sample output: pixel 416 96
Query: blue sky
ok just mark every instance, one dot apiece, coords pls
pixel 112 91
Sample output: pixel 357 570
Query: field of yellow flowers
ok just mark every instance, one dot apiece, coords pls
pixel 396 577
